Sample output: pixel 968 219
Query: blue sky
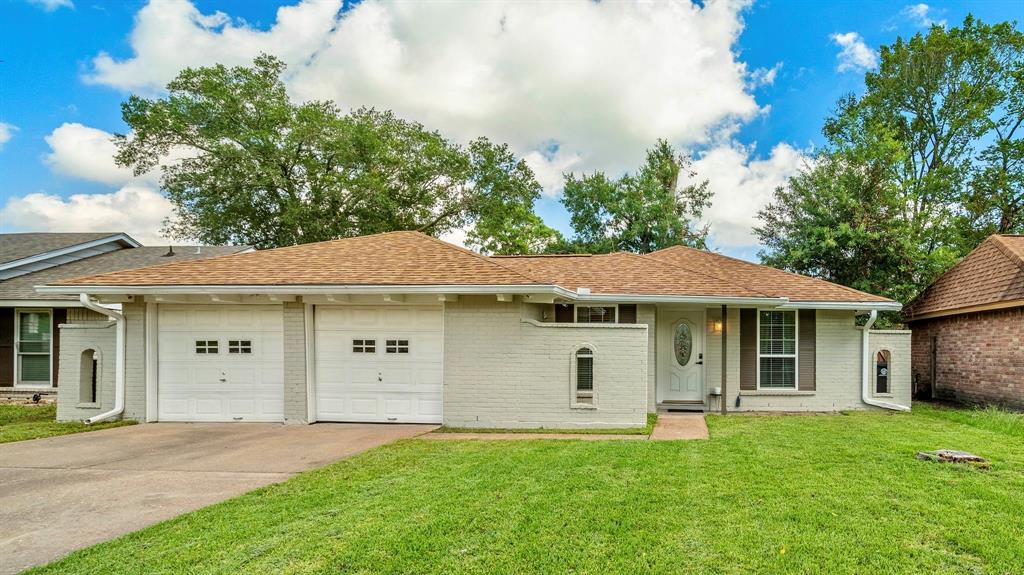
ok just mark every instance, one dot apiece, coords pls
pixel 749 106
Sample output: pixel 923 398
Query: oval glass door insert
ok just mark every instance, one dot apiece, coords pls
pixel 683 344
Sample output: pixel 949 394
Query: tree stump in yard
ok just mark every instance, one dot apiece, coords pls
pixel 953 456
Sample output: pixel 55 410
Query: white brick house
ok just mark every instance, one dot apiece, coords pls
pixel 401 327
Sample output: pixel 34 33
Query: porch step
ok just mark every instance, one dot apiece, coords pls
pixel 26 393
pixel 677 405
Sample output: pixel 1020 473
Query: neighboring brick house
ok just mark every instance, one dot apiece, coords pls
pixel 968 328
pixel 402 327
pixel 30 337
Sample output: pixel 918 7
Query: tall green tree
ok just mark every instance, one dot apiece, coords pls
pixel 242 163
pixel 930 151
pixel 640 212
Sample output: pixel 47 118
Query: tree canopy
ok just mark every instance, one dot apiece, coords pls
pixel 640 212
pixel 241 163
pixel 917 170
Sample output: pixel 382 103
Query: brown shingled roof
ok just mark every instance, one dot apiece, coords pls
pixel 393 258
pixel 773 282
pixel 991 274
pixel 412 258
pixel 627 273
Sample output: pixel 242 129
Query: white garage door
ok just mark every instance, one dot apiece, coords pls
pixel 221 363
pixel 379 363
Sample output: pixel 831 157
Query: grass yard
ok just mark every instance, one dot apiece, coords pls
pixel 831 494
pixel 19 422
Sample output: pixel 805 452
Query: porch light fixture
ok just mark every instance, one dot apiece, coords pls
pixel 715 326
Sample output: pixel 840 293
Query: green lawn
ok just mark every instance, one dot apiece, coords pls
pixel 20 422
pixel 831 494
pixel 652 418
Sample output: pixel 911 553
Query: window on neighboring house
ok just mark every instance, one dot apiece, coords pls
pixel 777 349
pixel 239 346
pixel 882 361
pixel 595 314
pixel 396 346
pixel 364 346
pixel 206 346
pixel 584 384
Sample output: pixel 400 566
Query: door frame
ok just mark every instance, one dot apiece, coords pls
pixel 663 357
pixel 16 380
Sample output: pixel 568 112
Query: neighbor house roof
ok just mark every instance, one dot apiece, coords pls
pixel 417 260
pixel 990 276
pixel 393 258
pixel 771 281
pixel 20 246
pixel 23 287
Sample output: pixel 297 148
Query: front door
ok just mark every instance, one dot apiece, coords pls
pixel 685 359
pixel 32 342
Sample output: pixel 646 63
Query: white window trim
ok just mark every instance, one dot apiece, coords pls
pixel 795 355
pixel 874 374
pixel 17 354
pixel 572 377
pixel 575 306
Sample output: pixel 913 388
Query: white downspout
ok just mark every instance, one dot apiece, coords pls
pixel 865 376
pixel 118 360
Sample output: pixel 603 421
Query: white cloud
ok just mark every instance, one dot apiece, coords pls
pixel 743 185
pixel 855 55
pixel 87 153
pixel 603 79
pixel 6 133
pixel 921 15
pixel 571 86
pixel 51 5
pixel 550 167
pixel 764 76
pixel 134 209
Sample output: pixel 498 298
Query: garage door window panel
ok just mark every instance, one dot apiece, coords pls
pixel 207 346
pixel 364 346
pixel 397 346
pixel 240 346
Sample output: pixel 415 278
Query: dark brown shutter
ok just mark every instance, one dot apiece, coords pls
pixel 807 355
pixel 748 349
pixel 6 347
pixel 627 313
pixel 60 315
pixel 564 312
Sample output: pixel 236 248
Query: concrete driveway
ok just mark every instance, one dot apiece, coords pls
pixel 65 493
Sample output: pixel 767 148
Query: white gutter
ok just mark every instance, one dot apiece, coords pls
pixel 865 376
pixel 118 360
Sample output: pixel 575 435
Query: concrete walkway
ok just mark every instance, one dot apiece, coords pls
pixel 64 493
pixel 672 426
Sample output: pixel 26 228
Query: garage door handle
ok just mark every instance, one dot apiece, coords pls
pixel 223 379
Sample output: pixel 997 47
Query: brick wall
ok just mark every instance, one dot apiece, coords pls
pixel 503 369
pixel 980 357
pixel 99 336
pixel 295 363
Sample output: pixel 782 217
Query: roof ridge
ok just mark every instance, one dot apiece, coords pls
pixel 470 252
pixel 1005 249
pixel 742 261
pixel 689 269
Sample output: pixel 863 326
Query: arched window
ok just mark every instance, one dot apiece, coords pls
pixel 584 382
pixel 882 375
pixel 87 373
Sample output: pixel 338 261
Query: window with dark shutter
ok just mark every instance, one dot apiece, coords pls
pixel 627 313
pixel 564 313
